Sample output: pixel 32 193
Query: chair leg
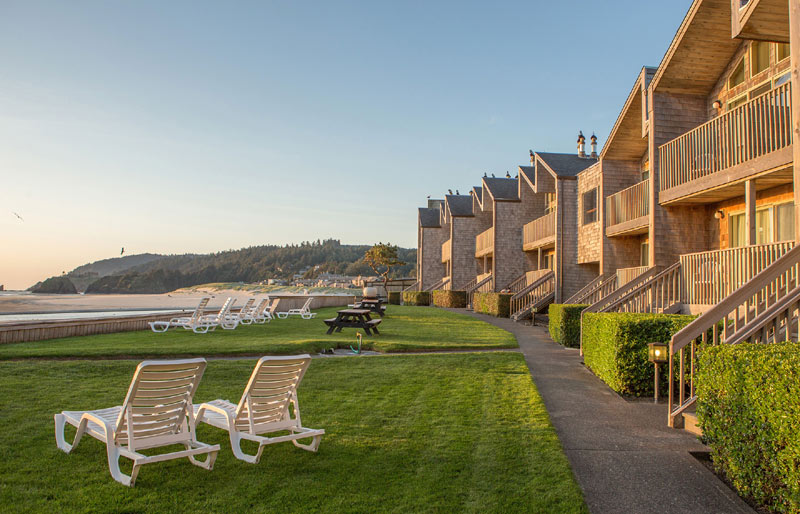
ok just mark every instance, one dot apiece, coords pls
pixel 61 420
pixel 312 447
pixel 113 466
pixel 206 464
pixel 236 446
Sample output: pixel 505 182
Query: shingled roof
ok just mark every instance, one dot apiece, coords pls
pixel 529 172
pixel 565 164
pixel 502 188
pixel 459 205
pixel 429 218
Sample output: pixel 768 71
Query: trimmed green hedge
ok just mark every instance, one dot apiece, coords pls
pixel 565 324
pixel 416 298
pixel 749 409
pixel 450 299
pixel 394 297
pixel 494 304
pixel 615 347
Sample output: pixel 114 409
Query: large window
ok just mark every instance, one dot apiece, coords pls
pixel 644 259
pixel 590 206
pixel 784 222
pixel 737 230
pixel 737 75
pixel 773 224
pixel 782 51
pixel 759 57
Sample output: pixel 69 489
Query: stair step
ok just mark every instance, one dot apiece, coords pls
pixel 690 423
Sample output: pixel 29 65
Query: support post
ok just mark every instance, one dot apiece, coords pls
pixel 794 49
pixel 655 398
pixel 750 210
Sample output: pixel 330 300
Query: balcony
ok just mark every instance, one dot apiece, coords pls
pixel 447 251
pixel 709 163
pixel 539 233
pixel 627 212
pixel 484 243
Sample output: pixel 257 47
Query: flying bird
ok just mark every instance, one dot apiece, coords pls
pixel 122 251
pixel 17 215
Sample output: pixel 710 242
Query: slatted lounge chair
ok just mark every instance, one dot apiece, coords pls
pixel 223 318
pixel 157 412
pixel 245 314
pixel 264 408
pixel 304 311
pixel 190 323
pixel 263 311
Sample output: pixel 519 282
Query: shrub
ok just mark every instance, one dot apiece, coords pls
pixel 749 409
pixel 615 347
pixel 565 324
pixel 450 299
pixel 416 298
pixel 494 304
pixel 394 297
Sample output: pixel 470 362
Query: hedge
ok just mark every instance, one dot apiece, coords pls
pixel 749 409
pixel 565 324
pixel 450 299
pixel 615 347
pixel 494 304
pixel 416 297
pixel 394 297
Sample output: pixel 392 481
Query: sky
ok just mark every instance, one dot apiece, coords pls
pixel 192 126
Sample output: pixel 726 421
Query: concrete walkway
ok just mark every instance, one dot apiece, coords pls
pixel 622 453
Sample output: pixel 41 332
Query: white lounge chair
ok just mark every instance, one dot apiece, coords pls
pixel 223 318
pixel 304 311
pixel 188 322
pixel 245 314
pixel 157 412
pixel 263 311
pixel 264 408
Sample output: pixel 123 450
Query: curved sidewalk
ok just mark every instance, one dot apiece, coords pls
pixel 622 453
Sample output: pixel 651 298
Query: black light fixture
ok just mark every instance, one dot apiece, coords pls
pixel 657 353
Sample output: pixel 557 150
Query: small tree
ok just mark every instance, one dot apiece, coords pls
pixel 382 257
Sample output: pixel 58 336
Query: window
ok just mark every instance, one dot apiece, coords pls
pixel 774 223
pixel 783 79
pixel 737 75
pixel 759 57
pixel 590 206
pixel 784 222
pixel 782 51
pixel 645 170
pixel 736 102
pixel 547 260
pixel 645 256
pixel 737 230
pixel 760 90
pixel 549 202
pixel 764 226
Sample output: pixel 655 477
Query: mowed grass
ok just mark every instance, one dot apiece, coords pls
pixel 414 433
pixel 403 329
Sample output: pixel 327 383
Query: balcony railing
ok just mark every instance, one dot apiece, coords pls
pixel 484 242
pixel 628 204
pixel 625 275
pixel 447 250
pixel 710 277
pixel 539 230
pixel 756 128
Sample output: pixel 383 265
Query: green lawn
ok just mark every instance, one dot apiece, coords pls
pixel 403 329
pixel 444 433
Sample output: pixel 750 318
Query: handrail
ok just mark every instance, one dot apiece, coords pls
pixel 624 290
pixel 625 275
pixel 413 287
pixel 485 283
pixel 628 204
pixel 591 286
pixel 601 290
pixel 657 293
pixel 765 303
pixel 755 128
pixel 538 290
pixel 438 285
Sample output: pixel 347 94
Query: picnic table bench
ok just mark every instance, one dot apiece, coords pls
pixel 375 306
pixel 353 318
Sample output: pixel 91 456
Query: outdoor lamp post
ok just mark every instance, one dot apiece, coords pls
pixel 657 354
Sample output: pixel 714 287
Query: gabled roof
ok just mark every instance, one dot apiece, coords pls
pixel 700 50
pixel 502 188
pixel 529 173
pixel 625 141
pixel 459 205
pixel 429 218
pixel 564 165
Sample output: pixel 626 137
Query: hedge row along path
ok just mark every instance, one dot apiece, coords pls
pixel 622 453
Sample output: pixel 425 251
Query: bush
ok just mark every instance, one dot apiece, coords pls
pixel 450 299
pixel 494 304
pixel 416 298
pixel 565 324
pixel 394 297
pixel 615 347
pixel 749 409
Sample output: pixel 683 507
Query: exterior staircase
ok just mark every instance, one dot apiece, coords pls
pixel 533 297
pixel 483 285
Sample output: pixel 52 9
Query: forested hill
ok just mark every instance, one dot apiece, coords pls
pixel 160 274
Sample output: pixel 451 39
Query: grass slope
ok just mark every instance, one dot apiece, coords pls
pixel 454 433
pixel 403 329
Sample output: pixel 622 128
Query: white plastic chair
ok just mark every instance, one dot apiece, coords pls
pixel 157 412
pixel 304 311
pixel 264 408
pixel 192 322
pixel 223 318
pixel 263 311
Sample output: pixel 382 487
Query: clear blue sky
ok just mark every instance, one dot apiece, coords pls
pixel 184 126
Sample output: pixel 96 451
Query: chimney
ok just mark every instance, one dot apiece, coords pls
pixel 581 144
pixel 594 146
pixel 532 158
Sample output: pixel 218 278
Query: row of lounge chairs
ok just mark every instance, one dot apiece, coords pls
pixel 158 412
pixel 200 322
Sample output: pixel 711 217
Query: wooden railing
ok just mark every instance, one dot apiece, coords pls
pixel 524 280
pixel 625 286
pixel 484 242
pixel 440 285
pixel 628 204
pixel 710 277
pixel 534 296
pixel 538 229
pixel 447 248
pixel 763 309
pixel 588 290
pixel 758 127
pixel 657 291
pixel 600 291
pixel 413 287
pixel 483 284
pixel 625 275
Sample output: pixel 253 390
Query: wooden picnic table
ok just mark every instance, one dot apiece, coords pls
pixel 353 318
pixel 374 305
